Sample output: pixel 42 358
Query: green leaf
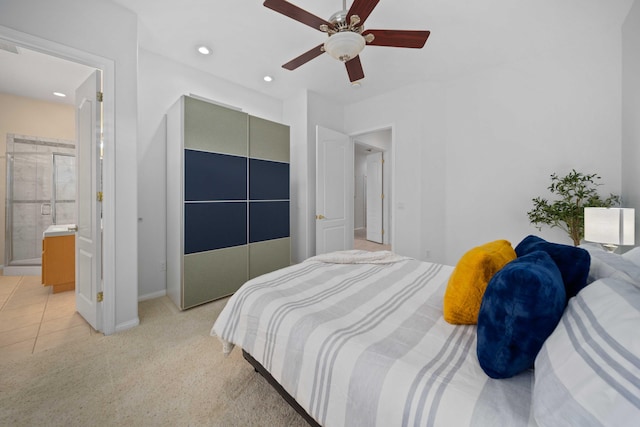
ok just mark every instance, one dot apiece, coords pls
pixel 575 192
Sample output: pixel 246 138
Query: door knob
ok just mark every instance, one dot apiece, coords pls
pixel 320 216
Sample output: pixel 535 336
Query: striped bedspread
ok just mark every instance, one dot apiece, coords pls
pixel 366 345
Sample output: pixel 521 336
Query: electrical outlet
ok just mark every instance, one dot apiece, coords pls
pixel 427 254
pixel 163 266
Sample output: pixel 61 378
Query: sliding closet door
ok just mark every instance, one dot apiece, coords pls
pixel 269 197
pixel 228 200
pixel 215 201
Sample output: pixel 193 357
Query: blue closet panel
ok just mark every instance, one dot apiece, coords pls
pixel 213 176
pixel 268 180
pixel 209 226
pixel 268 220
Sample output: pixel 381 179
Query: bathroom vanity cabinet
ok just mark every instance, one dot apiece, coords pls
pixel 58 259
pixel 228 200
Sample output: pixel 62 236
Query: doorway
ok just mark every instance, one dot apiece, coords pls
pixel 372 195
pixel 54 309
pixel 336 185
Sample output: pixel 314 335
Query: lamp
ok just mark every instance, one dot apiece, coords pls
pixel 344 45
pixel 609 226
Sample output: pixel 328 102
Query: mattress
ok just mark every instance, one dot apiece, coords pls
pixel 365 344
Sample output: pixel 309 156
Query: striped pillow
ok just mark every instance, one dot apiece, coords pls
pixel 588 371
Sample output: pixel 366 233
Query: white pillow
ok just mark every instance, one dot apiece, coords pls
pixel 633 255
pixel 588 371
pixel 607 264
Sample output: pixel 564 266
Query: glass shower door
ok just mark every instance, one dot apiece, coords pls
pixel 29 206
pixel 63 200
pixel 41 192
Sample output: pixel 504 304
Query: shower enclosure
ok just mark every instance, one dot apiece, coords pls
pixel 41 191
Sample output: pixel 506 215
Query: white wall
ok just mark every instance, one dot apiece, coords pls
pixel 161 83
pixel 404 110
pixel 108 31
pixel 295 114
pixel 472 152
pixel 509 129
pixel 631 112
pixel 303 113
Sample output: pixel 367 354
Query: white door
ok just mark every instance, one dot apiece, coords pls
pixel 374 197
pixel 88 235
pixel 334 191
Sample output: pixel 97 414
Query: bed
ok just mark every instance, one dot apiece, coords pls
pixel 359 339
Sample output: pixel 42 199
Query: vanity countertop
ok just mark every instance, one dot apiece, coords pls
pixel 59 230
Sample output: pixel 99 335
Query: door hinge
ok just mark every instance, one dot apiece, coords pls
pixel 382 196
pixel 99 96
pixel 383 232
pixel 99 196
pixel 100 296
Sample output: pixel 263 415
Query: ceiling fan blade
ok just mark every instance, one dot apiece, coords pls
pixel 354 69
pixel 294 12
pixel 304 58
pixel 362 8
pixel 398 38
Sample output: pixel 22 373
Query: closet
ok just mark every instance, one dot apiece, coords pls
pixel 227 200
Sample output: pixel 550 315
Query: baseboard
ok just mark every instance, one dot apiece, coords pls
pixel 27 270
pixel 152 295
pixel 127 325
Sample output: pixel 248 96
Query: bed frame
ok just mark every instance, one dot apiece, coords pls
pixel 287 397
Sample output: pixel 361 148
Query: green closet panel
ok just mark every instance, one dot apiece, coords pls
pixel 268 256
pixel 214 274
pixel 268 140
pixel 211 127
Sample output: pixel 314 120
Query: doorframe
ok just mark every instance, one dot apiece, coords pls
pixel 354 135
pixel 107 66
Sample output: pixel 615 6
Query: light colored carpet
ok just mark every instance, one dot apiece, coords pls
pixel 166 372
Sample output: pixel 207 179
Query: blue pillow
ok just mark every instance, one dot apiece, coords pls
pixel 521 307
pixel 573 262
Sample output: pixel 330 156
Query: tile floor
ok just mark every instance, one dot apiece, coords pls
pixel 33 319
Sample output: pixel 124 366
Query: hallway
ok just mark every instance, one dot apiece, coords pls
pixel 360 242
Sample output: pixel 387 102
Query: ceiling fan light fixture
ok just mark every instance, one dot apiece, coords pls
pixel 344 45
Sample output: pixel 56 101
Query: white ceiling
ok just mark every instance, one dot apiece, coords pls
pixel 36 75
pixel 250 41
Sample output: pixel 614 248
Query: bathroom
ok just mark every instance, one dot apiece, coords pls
pixel 40 192
pixel 37 152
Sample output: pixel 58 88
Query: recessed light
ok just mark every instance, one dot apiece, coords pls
pixel 60 94
pixel 204 50
pixel 268 78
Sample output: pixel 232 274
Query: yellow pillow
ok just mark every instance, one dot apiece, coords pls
pixel 470 278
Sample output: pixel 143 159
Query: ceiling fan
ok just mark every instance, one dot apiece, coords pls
pixel 347 36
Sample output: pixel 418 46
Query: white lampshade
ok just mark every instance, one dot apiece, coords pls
pixel 613 226
pixel 344 45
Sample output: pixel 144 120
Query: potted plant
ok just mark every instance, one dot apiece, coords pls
pixel 575 191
